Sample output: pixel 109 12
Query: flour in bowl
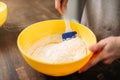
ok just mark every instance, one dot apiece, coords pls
pixel 53 50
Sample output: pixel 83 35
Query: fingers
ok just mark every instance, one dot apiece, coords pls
pixel 86 67
pixel 108 61
pixel 98 55
pixel 61 5
pixel 106 51
pixel 98 47
pixel 93 61
pixel 64 5
pixel 58 6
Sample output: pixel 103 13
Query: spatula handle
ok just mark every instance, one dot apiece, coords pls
pixel 67 22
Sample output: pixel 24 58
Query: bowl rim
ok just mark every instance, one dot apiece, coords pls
pixel 38 61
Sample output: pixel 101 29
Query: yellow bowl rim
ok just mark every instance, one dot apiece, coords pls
pixel 24 53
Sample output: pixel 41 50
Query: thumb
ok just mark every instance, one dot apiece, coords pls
pixel 58 6
pixel 97 47
pixel 96 57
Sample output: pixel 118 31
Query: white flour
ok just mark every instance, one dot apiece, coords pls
pixel 53 50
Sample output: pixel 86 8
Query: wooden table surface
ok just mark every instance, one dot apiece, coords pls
pixel 22 13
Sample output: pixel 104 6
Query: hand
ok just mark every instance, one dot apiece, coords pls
pixel 61 5
pixel 107 49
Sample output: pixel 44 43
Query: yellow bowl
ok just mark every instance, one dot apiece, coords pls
pixel 3 13
pixel 39 30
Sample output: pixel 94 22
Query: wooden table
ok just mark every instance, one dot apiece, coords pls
pixel 22 13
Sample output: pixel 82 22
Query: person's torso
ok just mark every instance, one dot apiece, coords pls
pixel 102 17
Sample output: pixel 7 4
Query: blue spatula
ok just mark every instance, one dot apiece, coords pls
pixel 68 33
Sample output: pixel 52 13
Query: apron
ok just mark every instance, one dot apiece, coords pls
pixel 102 17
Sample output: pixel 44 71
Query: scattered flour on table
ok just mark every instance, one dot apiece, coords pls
pixel 53 50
